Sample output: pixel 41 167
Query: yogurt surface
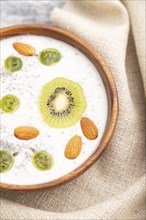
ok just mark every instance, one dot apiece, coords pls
pixel 26 84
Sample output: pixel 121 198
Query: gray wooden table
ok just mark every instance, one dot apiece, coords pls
pixel 27 12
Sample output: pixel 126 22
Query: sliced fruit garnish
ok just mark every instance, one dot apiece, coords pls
pixel 9 103
pixel 42 160
pixel 13 64
pixel 49 56
pixel 6 161
pixel 62 103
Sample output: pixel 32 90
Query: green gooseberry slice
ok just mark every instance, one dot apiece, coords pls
pixel 9 103
pixel 49 56
pixel 6 161
pixel 42 160
pixel 13 64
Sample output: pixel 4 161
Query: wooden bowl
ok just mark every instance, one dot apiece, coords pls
pixel 110 86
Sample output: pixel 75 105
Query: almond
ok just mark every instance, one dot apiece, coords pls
pixel 73 147
pixel 26 132
pixel 24 49
pixel 89 129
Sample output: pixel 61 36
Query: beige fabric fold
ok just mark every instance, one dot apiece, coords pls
pixel 138 16
pixel 114 187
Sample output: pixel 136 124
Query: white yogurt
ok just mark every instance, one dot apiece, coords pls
pixel 26 84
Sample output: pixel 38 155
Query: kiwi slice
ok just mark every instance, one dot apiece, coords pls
pixel 62 103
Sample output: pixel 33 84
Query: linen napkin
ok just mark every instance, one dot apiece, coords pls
pixel 114 187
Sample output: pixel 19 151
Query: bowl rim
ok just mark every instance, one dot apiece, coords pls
pixel 111 90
